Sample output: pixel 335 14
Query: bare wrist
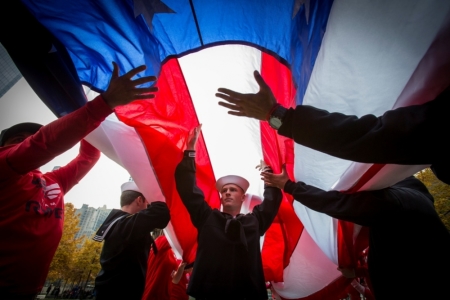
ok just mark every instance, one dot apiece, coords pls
pixel 107 101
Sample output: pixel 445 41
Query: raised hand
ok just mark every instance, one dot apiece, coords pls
pixel 176 275
pixel 262 166
pixel 255 106
pixel 123 90
pixel 193 137
pixel 275 180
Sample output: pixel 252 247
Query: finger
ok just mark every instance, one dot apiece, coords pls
pixel 143 80
pixel 197 129
pixel 268 176
pixel 237 113
pixel 229 93
pixel 227 98
pixel 146 90
pixel 115 72
pixel 230 106
pixel 262 84
pixel 144 97
pixel 135 71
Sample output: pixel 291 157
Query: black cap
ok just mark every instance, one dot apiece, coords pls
pixel 21 127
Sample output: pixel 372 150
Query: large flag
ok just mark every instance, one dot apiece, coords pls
pixel 350 56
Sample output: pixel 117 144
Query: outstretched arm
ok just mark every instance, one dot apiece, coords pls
pixel 185 179
pixel 62 134
pixel 386 139
pixel 268 209
pixel 70 174
pixel 139 225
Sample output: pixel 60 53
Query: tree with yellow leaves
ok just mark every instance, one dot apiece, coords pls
pixel 440 192
pixel 62 262
pixel 87 261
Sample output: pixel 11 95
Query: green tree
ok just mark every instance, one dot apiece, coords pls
pixel 62 262
pixel 440 192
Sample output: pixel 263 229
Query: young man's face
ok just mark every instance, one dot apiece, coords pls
pixel 232 196
pixel 17 138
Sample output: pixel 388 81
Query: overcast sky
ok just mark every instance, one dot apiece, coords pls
pixel 101 186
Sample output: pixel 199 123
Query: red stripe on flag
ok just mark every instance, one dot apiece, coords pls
pixel 347 254
pixel 163 124
pixel 276 151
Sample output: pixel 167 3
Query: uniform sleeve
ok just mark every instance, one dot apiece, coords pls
pixel 268 209
pixel 56 137
pixel 363 208
pixel 191 195
pixel 389 138
pixel 71 174
pixel 156 215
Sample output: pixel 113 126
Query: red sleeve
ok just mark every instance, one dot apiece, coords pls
pixel 55 138
pixel 73 172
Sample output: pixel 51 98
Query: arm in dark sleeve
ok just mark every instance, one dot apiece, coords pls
pixel 156 215
pixel 57 137
pixel 191 195
pixel 268 209
pixel 363 208
pixel 399 136
pixel 71 174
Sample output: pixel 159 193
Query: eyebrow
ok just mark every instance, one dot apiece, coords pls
pixel 229 188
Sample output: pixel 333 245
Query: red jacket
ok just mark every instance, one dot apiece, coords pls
pixel 159 280
pixel 32 203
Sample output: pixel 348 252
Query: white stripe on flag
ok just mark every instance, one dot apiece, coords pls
pixel 369 52
pixel 234 144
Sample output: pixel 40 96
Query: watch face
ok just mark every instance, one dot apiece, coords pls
pixel 275 122
pixel 276 119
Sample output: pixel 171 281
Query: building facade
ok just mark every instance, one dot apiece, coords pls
pixel 9 74
pixel 90 219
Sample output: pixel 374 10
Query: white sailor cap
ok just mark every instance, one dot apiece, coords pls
pixel 234 179
pixel 129 186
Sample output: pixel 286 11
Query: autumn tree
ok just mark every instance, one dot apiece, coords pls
pixel 440 192
pixel 87 260
pixel 62 262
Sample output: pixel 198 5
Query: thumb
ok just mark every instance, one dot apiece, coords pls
pixel 115 72
pixel 283 168
pixel 262 84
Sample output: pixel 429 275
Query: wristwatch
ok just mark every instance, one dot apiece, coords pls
pixel 277 116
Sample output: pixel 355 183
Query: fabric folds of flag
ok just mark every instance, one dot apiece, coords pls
pixel 349 56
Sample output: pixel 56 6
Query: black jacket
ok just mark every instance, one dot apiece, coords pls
pixel 124 256
pixel 412 135
pixel 409 246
